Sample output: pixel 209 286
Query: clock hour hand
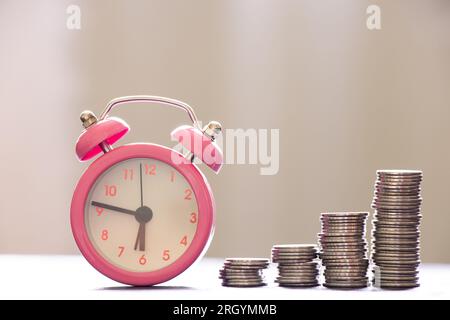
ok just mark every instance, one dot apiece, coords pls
pixel 113 208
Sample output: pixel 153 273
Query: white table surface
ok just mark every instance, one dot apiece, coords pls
pixel 71 277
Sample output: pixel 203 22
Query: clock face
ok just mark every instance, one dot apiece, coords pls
pixel 141 215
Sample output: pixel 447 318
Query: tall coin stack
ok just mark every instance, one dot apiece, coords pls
pixel 395 241
pixel 297 265
pixel 243 272
pixel 343 249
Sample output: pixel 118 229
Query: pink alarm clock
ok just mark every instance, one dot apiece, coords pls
pixel 143 213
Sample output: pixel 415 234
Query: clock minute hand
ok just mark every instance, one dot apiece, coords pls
pixel 113 208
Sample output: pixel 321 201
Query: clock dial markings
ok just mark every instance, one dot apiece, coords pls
pixel 166 192
pixel 112 208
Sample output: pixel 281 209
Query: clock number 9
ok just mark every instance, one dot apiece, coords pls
pixel 99 211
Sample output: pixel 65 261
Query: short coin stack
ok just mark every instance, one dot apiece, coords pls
pixel 243 272
pixel 343 249
pixel 395 241
pixel 297 265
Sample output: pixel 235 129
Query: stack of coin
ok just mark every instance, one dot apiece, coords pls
pixel 343 249
pixel 395 241
pixel 243 272
pixel 297 266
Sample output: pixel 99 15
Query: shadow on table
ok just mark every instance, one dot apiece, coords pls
pixel 129 288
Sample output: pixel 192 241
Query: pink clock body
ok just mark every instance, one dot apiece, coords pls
pixel 141 214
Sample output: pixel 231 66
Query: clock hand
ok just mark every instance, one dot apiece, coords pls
pixel 113 208
pixel 138 237
pixel 142 239
pixel 140 179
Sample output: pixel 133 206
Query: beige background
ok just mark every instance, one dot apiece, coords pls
pixel 347 101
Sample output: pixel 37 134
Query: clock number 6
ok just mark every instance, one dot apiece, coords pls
pixel 142 260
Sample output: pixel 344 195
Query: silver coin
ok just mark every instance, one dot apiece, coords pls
pixel 395 257
pixel 397 189
pixel 332 255
pixel 247 261
pixel 398 277
pixel 400 172
pixel 396 224
pixel 239 271
pixel 346 230
pixel 386 263
pixel 396 207
pixel 396 184
pixel 395 270
pixel 398 217
pixel 393 249
pixel 299 285
pixel 339 273
pixel 383 176
pixel 346 285
pixel 398 227
pixel 296 281
pixel 246 278
pixel 398 285
pixel 342 246
pixel 399 180
pixel 299 274
pixel 345 214
pixel 243 285
pixel 401 234
pixel 381 191
pixel 339 252
pixel 294 254
pixel 397 198
pixel 298 271
pixel 396 233
pixel 289 262
pixel 397 204
pixel 295 247
pixel 345 262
